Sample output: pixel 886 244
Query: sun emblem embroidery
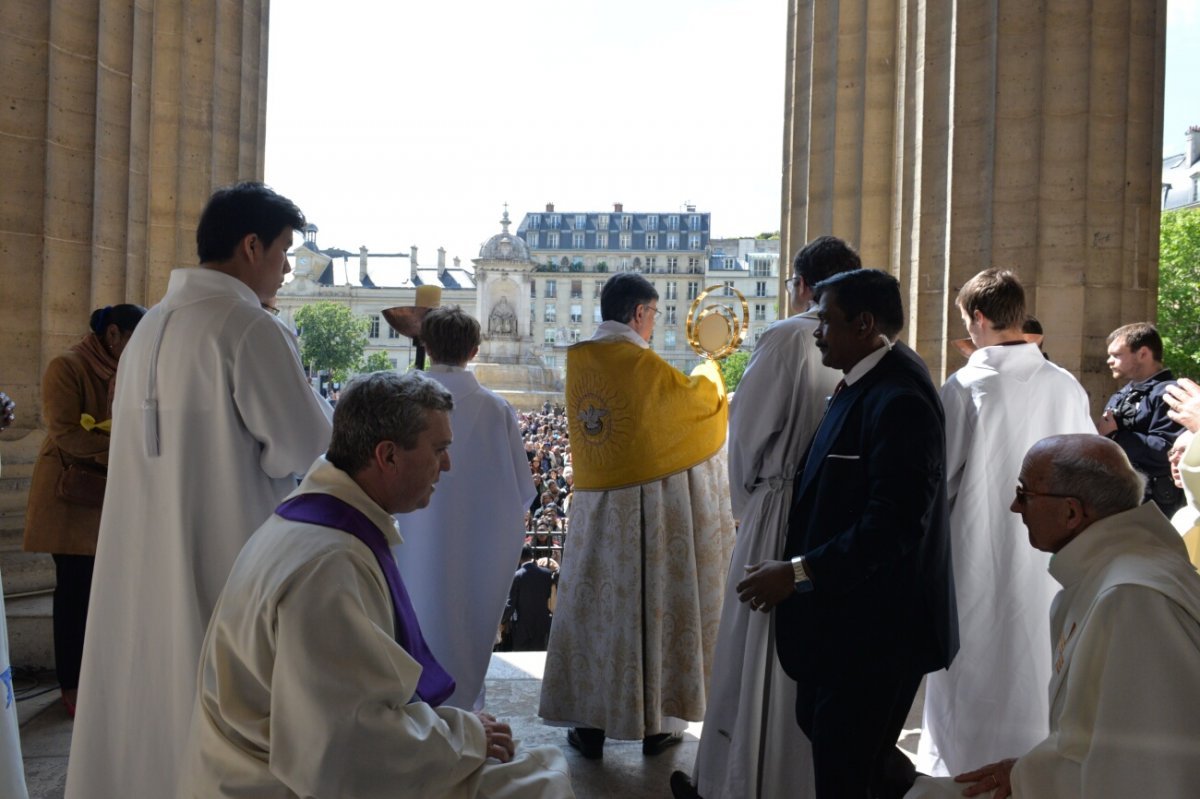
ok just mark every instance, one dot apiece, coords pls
pixel 601 415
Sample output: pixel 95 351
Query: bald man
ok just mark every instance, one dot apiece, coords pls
pixel 1125 636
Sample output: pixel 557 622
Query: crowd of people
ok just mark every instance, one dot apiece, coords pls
pixel 305 603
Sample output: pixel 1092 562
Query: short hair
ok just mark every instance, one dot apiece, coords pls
pixel 824 257
pixel 867 291
pixel 382 406
pixel 998 295
pixel 125 316
pixel 1032 326
pixel 450 334
pixel 622 294
pixel 1138 335
pixel 526 553
pixel 1103 490
pixel 234 212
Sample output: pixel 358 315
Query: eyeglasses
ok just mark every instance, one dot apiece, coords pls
pixel 1023 495
pixel 652 308
pixel 791 281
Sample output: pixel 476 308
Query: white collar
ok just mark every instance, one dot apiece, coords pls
pixel 611 329
pixel 860 369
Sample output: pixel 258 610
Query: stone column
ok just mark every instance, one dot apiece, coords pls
pixel 119 118
pixel 943 137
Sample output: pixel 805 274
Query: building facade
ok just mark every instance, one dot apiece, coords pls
pixel 1181 175
pixel 750 266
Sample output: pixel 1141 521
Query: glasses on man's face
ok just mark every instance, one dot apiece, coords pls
pixel 652 308
pixel 792 281
pixel 1024 494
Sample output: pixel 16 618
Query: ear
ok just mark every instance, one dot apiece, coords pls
pixel 474 352
pixel 249 246
pixel 866 324
pixel 1075 515
pixel 384 454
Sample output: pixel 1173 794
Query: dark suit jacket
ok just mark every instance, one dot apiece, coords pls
pixel 870 516
pixel 528 607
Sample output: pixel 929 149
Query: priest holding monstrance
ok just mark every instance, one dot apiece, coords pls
pixel 639 598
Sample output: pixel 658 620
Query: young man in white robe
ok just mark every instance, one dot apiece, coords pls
pixel 639 594
pixel 1125 638
pixel 315 678
pixel 751 745
pixel 1007 397
pixel 459 552
pixel 213 422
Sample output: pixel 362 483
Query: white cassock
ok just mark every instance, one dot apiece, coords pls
pixel 237 422
pixel 460 552
pixel 12 769
pixel 1124 698
pixel 981 709
pixel 752 743
pixel 304 690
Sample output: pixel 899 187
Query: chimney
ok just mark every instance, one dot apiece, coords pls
pixel 441 262
pixel 412 262
pixel 362 263
pixel 549 208
pixel 457 262
pixel 1193 135
pixel 618 207
pixel 691 209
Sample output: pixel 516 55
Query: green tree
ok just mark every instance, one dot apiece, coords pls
pixel 732 369
pixel 1179 290
pixel 375 362
pixel 332 339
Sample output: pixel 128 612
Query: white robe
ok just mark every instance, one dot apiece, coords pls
pixel 304 691
pixel 1124 698
pixel 981 709
pixel 639 600
pixel 461 551
pixel 237 422
pixel 12 768
pixel 751 741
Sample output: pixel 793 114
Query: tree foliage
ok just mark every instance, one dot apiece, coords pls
pixel 375 362
pixel 332 339
pixel 732 369
pixel 1179 291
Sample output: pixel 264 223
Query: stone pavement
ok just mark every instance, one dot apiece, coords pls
pixel 513 686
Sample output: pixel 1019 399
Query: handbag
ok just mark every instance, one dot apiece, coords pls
pixel 81 484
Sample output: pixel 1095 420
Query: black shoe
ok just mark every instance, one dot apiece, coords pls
pixel 682 786
pixel 589 742
pixel 656 744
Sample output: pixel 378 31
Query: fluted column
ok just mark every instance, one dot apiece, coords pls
pixel 943 137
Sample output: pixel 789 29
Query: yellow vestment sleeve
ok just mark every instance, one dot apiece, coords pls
pixel 634 418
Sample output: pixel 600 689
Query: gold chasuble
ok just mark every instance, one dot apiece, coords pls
pixel 634 418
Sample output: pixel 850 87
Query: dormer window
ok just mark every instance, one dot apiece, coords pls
pixel 652 222
pixel 534 221
pixel 602 221
pixel 694 222
pixel 672 222
pixel 555 220
pixel 580 221
pixel 626 222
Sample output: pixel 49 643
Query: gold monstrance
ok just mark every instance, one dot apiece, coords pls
pixel 715 331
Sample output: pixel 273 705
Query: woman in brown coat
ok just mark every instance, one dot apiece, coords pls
pixel 77 395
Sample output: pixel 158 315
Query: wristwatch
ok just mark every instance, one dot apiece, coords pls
pixel 801 574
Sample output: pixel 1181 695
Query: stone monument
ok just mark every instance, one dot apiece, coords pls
pixel 508 361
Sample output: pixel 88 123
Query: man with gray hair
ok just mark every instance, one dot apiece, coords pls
pixel 1125 632
pixel 315 679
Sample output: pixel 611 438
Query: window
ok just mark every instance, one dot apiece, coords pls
pixel 670 315
pixel 551 289
pixel 596 315
pixel 580 221
pixel 626 241
pixel 761 267
pixel 534 221
pixel 626 222
pixel 576 313
pixel 533 289
pixel 548 337
pixel 651 263
pixel 652 222
pixel 596 286
pixel 672 241
pixel 625 264
pixel 374 326
pixel 573 335
pixel 550 361
pixel 760 313
pixel 551 314
pixel 672 222
pixel 693 289
pixel 728 292
pixel 651 241
pixel 669 339
pixel 693 242
pixel 672 265
pixel 602 221
pixel 694 266
pixel 576 289
pixel 760 288
pixel 392 333
pixel 531 238
pixel 694 221
pixel 601 241
pixel 552 239
pixel 577 240
pixel 672 290
pixel 555 220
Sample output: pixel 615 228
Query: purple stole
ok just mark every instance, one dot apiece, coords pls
pixel 435 685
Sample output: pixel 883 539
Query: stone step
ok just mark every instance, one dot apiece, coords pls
pixel 31 631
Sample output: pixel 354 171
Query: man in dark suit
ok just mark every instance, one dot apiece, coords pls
pixel 528 608
pixel 865 605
